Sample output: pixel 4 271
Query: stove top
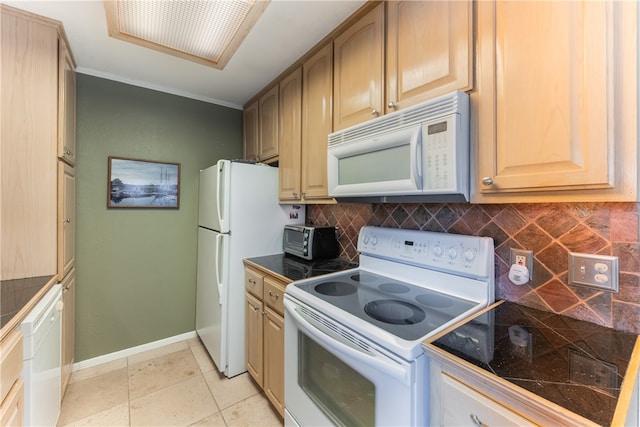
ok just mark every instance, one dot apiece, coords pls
pixel 407 311
pixel 409 285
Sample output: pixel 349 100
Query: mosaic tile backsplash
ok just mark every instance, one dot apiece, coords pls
pixel 550 230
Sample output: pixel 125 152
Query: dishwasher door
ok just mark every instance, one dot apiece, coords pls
pixel 42 373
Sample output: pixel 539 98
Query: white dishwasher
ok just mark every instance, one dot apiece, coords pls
pixel 42 330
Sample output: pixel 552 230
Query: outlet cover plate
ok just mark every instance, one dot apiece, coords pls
pixel 528 259
pixel 596 271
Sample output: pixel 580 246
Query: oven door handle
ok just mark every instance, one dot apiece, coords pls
pixel 339 344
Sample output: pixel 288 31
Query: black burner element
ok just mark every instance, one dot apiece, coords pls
pixel 394 312
pixel 335 289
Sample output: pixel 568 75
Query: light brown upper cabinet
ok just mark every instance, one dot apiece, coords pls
pixel 260 123
pixel 427 51
pixel 66 105
pixel 250 134
pixel 28 149
pixel 290 129
pixel 305 122
pixel 359 71
pixel 317 82
pixel 556 102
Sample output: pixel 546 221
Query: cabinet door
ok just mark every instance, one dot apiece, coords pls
pixel 68 327
pixel 274 359
pixel 268 124
pixel 28 153
pixel 290 136
pixel 359 71
pixel 428 50
pixel 66 218
pixel 545 93
pixel 253 337
pixel 66 105
pixel 317 84
pixel 251 134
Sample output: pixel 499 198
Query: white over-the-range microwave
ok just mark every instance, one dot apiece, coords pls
pixel 420 153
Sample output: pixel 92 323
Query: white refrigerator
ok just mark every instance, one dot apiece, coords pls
pixel 238 217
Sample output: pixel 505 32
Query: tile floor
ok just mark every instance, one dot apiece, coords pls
pixel 175 385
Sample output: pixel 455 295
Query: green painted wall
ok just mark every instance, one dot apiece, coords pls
pixel 136 268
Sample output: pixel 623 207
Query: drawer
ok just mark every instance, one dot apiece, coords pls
pixel 273 295
pixel 10 362
pixel 253 282
pixel 462 405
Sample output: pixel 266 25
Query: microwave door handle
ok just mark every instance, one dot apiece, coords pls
pixel 416 145
pixel 341 345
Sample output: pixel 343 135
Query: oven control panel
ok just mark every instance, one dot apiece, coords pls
pixel 443 251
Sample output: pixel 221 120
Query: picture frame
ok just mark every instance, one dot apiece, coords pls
pixel 146 184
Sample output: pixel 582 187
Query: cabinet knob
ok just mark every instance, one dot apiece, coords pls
pixel 67 152
pixel 375 112
pixel 487 180
pixel 67 221
pixel 302 195
pixel 272 295
pixel 476 421
pixel 295 194
pixel 392 105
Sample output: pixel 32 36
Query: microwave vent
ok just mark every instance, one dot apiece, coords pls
pixel 429 110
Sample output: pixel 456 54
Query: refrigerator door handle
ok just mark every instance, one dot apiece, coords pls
pixel 219 251
pixel 219 194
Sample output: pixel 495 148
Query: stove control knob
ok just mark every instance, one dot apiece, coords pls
pixel 437 250
pixel 470 254
pixel 365 239
pixel 374 241
pixel 452 252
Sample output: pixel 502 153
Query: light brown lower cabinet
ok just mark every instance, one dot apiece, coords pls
pixel 264 334
pixel 11 383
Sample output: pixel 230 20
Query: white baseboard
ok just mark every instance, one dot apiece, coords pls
pixel 131 351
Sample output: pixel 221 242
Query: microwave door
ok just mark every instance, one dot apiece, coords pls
pixel 389 164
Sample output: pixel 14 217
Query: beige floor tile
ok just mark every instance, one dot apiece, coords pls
pixel 202 356
pixel 179 405
pixel 215 420
pixel 155 374
pixel 94 371
pixel 93 395
pixel 157 352
pixel 254 411
pixel 118 416
pixel 229 391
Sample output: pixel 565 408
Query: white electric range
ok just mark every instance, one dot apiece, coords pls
pixel 353 353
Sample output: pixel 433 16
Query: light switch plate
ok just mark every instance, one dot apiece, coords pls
pixel 596 271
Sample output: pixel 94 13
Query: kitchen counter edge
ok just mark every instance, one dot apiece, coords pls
pixel 498 388
pixel 22 313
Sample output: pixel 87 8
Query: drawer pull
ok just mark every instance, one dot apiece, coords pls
pixel 272 295
pixel 254 307
pixel 476 421
pixel 253 282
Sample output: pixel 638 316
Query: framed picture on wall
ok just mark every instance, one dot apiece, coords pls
pixel 136 183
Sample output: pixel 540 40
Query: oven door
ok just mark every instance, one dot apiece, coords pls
pixel 336 377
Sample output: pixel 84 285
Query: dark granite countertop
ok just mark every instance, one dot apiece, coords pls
pixel 16 294
pixel 575 364
pixel 294 268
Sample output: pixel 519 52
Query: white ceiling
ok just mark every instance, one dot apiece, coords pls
pixel 286 30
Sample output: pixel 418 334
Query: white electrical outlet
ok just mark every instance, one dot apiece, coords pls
pixel 523 257
pixel 597 271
